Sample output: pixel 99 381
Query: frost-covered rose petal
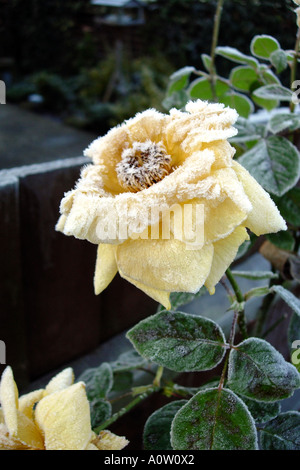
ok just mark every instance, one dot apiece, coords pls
pixel 145 168
pixel 54 418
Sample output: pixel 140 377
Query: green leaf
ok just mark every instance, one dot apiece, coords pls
pixel 157 428
pixel 201 88
pixel 273 92
pixel 127 361
pixel 260 411
pixel 214 420
pixel 255 275
pixel 263 45
pixel 179 79
pixel 284 121
pixel 177 299
pixel 100 412
pixel 98 380
pixel 247 131
pixel 123 381
pixel 243 77
pixel 274 162
pixel 282 433
pixel 241 103
pixel 258 371
pixel 179 341
pixel 257 292
pixel 178 100
pixel 278 58
pixel 267 77
pixel 266 104
pixel 206 59
pixel 289 206
pixel 290 299
pixel 283 240
pixel 236 56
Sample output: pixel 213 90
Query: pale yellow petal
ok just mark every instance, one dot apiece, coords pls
pixel 62 380
pixel 91 447
pixel 9 400
pixel 28 433
pixel 106 152
pixel 265 217
pixel 225 251
pixel 160 296
pixel 165 264
pixel 64 419
pixel 9 443
pixel 221 217
pixel 223 152
pixel 28 436
pixel 147 125
pixel 106 267
pixel 2 421
pixel 202 123
pixel 27 402
pixel 106 440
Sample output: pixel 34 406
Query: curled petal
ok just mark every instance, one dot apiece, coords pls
pixel 27 402
pixel 225 251
pixel 202 123
pixel 62 380
pixel 9 400
pixel 265 217
pixel 106 267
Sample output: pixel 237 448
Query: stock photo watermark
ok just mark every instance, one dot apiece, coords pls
pixel 180 222
pixel 2 92
pixel 295 357
pixel 2 352
pixel 296 93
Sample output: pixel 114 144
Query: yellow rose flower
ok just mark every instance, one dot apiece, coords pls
pixel 54 418
pixel 144 168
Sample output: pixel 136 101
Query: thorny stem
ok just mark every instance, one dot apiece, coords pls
pixel 217 21
pixel 294 67
pixel 240 298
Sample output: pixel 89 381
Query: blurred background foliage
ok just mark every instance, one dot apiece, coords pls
pixel 57 60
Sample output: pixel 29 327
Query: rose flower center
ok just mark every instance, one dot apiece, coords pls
pixel 142 165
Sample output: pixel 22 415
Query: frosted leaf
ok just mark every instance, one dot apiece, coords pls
pixel 256 370
pixel 179 341
pixel 282 433
pixel 157 428
pixel 214 420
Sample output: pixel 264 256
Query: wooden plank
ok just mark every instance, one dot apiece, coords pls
pixel 12 324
